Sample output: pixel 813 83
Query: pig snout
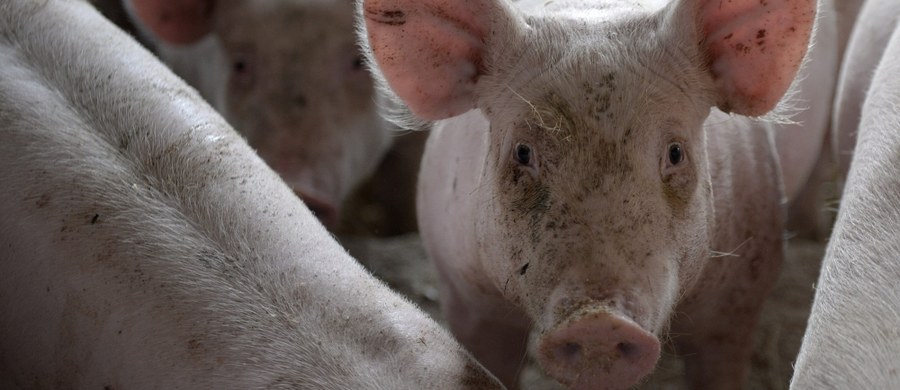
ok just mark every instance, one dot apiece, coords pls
pixel 599 350
pixel 327 212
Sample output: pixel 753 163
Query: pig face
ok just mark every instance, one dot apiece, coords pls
pixel 299 92
pixel 599 204
pixel 597 200
pixel 289 76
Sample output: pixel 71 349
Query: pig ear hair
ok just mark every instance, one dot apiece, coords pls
pixel 754 48
pixel 429 53
pixel 177 22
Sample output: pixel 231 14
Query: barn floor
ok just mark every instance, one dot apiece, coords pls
pixel 401 262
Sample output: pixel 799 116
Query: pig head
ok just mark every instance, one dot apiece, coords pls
pixel 285 73
pixel 585 187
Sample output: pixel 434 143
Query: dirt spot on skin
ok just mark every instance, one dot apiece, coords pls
pixel 678 191
pixel 42 201
pixel 534 200
pixel 524 269
pixel 599 96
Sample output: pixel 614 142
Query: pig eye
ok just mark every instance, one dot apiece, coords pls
pixel 675 153
pixel 241 70
pixel 239 66
pixel 524 155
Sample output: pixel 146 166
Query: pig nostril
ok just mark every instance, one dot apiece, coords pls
pixel 569 353
pixel 629 351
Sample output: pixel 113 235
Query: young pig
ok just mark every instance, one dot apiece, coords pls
pixel 852 340
pixel 143 245
pixel 285 73
pixel 593 193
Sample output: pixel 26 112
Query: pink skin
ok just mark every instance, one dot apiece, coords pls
pixel 144 245
pixel 851 340
pixel 592 190
pixel 289 76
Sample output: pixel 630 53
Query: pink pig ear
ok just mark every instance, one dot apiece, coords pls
pixel 430 51
pixel 754 48
pixel 175 21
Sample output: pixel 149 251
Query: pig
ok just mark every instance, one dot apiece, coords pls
pixel 585 178
pixel 288 75
pixel 852 338
pixel 808 216
pixel 143 244
pixel 870 37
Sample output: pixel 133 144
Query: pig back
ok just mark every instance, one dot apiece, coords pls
pixel 146 245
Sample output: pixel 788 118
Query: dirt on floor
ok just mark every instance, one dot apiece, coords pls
pixel 401 262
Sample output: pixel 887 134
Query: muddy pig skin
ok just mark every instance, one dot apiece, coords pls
pixel 852 339
pixel 289 76
pixel 144 245
pixel 589 183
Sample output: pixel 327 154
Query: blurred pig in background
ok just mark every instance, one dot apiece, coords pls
pixel 288 75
